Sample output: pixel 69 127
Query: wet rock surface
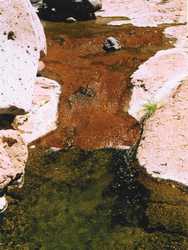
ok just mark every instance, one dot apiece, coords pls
pixel 96 84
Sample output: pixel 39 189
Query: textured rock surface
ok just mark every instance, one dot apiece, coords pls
pixel 43 116
pixel 155 79
pixel 146 13
pixel 13 156
pixel 21 40
pixel 163 150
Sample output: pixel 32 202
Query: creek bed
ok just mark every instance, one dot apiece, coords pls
pixel 88 196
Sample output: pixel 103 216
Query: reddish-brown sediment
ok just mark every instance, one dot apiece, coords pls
pixel 96 85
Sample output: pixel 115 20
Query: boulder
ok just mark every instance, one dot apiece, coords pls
pixel 61 10
pixel 37 4
pixel 21 41
pixel 44 112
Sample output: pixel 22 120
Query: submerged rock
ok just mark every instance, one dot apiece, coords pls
pixel 70 20
pixel 111 44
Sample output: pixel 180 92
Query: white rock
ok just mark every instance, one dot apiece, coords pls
pixel 13 157
pixel 44 112
pixel 163 151
pixel 164 144
pixel 157 78
pixel 146 13
pixel 3 204
pixel 21 40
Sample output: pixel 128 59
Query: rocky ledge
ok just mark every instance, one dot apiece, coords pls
pixel 163 149
pixel 24 96
pixel 160 95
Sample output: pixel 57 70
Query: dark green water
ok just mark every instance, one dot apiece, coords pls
pixel 75 199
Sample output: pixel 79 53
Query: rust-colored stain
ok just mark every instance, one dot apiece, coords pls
pixel 96 85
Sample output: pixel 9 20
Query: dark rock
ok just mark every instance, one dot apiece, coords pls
pixel 111 44
pixel 61 10
pixel 82 94
pixel 37 3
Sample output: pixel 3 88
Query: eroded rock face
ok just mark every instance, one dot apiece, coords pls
pixel 13 156
pixel 21 41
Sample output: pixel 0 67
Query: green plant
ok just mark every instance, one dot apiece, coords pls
pixel 150 109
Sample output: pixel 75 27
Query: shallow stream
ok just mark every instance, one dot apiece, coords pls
pixel 91 195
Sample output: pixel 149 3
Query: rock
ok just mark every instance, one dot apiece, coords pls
pixel 156 79
pixel 111 44
pixel 13 156
pixel 41 67
pixel 144 13
pixel 43 116
pixel 37 4
pixel 61 10
pixel 3 204
pixel 163 148
pixel 70 20
pixel 21 41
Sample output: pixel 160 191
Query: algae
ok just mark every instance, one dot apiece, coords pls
pixel 76 199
